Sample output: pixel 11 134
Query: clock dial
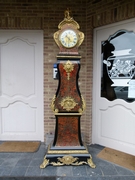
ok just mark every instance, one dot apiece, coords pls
pixel 68 38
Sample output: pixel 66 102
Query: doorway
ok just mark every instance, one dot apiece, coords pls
pixel 114 86
pixel 21 85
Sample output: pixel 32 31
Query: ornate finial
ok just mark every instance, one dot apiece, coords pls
pixel 67 14
pixel 68 19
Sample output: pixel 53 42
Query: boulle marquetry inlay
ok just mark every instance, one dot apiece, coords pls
pixel 68 104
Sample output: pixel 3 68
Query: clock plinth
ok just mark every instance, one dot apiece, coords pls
pixel 62 156
pixel 68 105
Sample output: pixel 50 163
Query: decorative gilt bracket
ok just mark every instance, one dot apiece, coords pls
pixel 53 105
pixel 68 160
pixel 81 110
pixel 45 163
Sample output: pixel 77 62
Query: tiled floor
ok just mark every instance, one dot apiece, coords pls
pixel 26 165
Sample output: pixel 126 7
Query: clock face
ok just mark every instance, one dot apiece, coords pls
pixel 68 38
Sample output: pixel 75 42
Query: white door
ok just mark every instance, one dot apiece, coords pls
pixel 114 108
pixel 21 85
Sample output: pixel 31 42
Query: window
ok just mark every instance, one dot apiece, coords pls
pixel 118 66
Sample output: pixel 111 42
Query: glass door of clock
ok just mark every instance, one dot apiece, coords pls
pixel 114 86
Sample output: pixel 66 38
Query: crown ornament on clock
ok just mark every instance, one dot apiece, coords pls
pixel 68 37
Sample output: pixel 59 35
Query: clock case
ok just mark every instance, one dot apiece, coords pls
pixel 68 24
pixel 67 147
pixel 68 105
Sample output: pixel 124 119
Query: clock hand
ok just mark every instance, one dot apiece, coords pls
pixel 68 38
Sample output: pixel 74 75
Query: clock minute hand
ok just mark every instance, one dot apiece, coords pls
pixel 68 38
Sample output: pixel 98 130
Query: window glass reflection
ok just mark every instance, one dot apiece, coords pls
pixel 118 67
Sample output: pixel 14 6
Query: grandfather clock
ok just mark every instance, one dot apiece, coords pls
pixel 68 104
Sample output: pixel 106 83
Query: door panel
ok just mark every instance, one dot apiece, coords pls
pixel 21 85
pixel 26 121
pixel 114 118
pixel 19 59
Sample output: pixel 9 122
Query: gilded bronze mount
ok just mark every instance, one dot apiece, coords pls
pixel 67 160
pixel 68 103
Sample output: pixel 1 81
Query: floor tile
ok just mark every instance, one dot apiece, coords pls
pixel 41 152
pixel 27 165
pixel 49 171
pixel 79 170
pixel 4 155
pixel 123 171
pixel 64 171
pixel 14 155
pixel 71 178
pixel 101 163
pixel 28 178
pixel 129 178
pixel 93 151
pixel 18 171
pixel 36 162
pixel 1 161
pixel 10 162
pixel 33 171
pixel 5 170
pixel 27 155
pixel 23 162
pixel 94 172
pixel 109 170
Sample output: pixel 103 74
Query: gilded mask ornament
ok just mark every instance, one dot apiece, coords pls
pixel 68 103
pixel 67 160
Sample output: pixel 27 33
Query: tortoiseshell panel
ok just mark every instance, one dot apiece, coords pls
pixel 67 131
pixel 68 87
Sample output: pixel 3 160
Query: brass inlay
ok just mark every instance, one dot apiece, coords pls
pixel 69 114
pixel 67 151
pixel 69 67
pixel 68 56
pixel 68 103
